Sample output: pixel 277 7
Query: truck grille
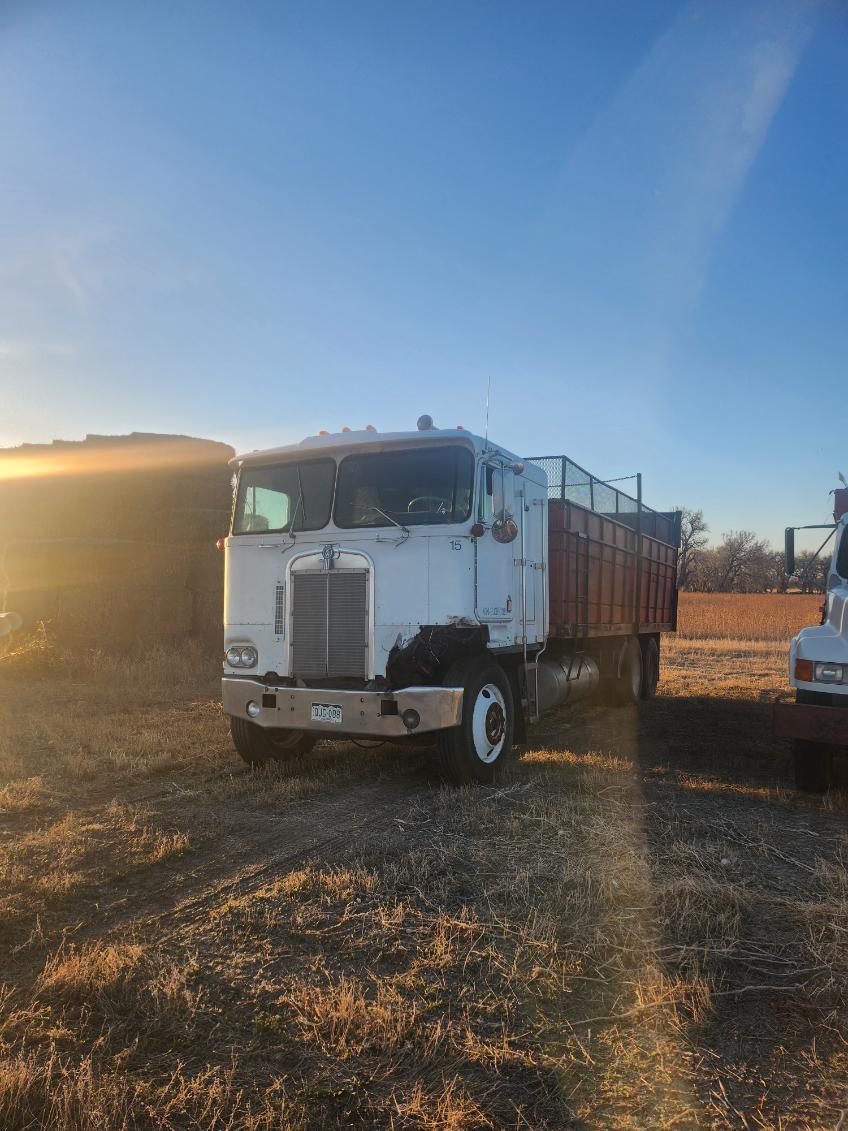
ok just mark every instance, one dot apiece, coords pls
pixel 329 623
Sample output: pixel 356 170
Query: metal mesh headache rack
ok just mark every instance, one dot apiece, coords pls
pixel 569 481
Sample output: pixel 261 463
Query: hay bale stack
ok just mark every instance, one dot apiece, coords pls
pixel 111 539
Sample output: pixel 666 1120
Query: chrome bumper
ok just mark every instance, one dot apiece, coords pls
pixel 368 714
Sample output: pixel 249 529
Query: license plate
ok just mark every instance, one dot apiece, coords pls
pixel 326 713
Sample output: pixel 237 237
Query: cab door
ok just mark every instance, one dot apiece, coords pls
pixel 496 599
pixel 532 556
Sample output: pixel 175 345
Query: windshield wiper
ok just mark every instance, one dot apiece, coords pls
pixel 300 504
pixel 393 521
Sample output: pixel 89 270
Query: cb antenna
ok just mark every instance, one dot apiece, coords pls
pixel 488 402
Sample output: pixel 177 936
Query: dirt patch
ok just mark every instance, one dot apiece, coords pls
pixel 642 926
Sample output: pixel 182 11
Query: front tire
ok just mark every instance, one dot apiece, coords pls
pixel 480 747
pixel 260 745
pixel 813 765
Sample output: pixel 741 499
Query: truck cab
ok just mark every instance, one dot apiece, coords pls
pixel 432 583
pixel 817 722
pixel 383 585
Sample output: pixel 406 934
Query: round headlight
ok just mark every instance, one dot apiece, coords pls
pixel 249 657
pixel 234 657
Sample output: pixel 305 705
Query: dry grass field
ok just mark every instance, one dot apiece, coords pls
pixel 755 616
pixel 642 926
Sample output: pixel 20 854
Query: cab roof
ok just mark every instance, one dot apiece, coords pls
pixel 344 443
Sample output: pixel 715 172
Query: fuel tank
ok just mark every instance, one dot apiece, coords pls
pixel 565 680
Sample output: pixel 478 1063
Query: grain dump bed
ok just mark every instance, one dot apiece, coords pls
pixel 612 561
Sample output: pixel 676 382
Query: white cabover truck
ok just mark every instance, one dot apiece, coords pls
pixel 394 585
pixel 817 722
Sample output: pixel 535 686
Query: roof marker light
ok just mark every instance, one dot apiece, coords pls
pixel 323 432
pixel 459 428
pixel 345 429
pixel 370 428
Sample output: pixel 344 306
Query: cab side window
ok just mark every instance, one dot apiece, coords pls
pixel 494 494
pixel 487 495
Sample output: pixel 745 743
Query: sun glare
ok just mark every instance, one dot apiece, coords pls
pixel 100 459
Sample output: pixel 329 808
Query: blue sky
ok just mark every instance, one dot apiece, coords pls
pixel 251 221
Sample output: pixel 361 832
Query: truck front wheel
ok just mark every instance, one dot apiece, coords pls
pixel 478 749
pixel 813 765
pixel 260 745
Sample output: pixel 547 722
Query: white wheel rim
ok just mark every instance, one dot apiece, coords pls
pixel 488 723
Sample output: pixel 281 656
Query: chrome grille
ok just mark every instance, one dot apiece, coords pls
pixel 329 623
pixel 280 611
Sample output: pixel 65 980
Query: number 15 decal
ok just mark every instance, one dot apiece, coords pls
pixel 456 544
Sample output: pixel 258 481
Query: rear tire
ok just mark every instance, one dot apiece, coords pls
pixel 260 745
pixel 813 765
pixel 626 690
pixel 650 667
pixel 480 747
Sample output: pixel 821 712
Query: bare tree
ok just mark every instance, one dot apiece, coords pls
pixel 693 539
pixel 811 572
pixel 741 563
pixel 777 581
pixel 741 558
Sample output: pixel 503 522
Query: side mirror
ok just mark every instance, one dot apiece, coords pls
pixel 505 529
pixel 789 551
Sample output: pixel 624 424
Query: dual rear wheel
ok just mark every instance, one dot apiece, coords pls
pixel 639 672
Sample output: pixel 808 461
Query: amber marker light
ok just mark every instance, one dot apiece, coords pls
pixel 478 530
pixel 804 670
pixel 220 544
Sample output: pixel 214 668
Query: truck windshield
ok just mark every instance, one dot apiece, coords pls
pixel 417 487
pixel 283 497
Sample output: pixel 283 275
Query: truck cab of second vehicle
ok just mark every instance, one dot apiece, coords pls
pixel 817 722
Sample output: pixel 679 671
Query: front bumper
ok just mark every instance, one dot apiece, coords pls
pixel 812 721
pixel 366 714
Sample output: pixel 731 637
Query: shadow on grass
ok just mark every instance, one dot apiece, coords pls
pixel 728 739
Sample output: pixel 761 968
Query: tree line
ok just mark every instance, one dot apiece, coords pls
pixel 741 562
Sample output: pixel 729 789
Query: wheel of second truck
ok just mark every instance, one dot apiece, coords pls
pixel 478 749
pixel 628 687
pixel 260 745
pixel 650 667
pixel 813 763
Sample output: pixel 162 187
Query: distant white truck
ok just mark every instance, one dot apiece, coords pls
pixel 817 722
pixel 394 585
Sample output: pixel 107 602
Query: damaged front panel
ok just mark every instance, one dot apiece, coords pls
pixel 430 653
